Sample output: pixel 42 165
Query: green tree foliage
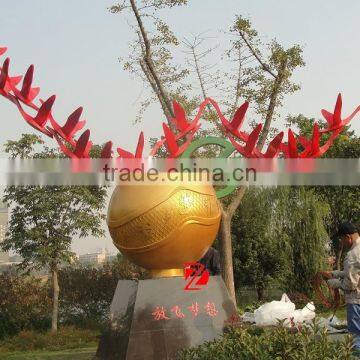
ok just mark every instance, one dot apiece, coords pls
pixel 343 200
pixel 261 254
pixel 280 237
pixel 304 216
pixel 256 81
pixel 44 220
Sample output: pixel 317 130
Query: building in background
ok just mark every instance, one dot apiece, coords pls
pixel 4 257
pixel 96 258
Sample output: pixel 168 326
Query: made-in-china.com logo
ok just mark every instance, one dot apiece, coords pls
pixel 196 275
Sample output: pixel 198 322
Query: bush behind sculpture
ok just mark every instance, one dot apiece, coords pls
pixel 86 292
pixel 85 297
pixel 24 304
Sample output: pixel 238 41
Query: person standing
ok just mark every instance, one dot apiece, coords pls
pixel 211 261
pixel 348 280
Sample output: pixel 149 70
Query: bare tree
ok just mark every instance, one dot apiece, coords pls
pixel 151 53
pixel 197 60
pixel 263 81
pixel 262 74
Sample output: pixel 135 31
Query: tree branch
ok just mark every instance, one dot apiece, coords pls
pixel 272 104
pixel 150 65
pixel 196 64
pixel 256 55
pixel 153 85
pixel 238 84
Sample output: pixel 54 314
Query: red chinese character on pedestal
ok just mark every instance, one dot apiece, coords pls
pixel 194 308
pixel 177 311
pixel 211 309
pixel 159 314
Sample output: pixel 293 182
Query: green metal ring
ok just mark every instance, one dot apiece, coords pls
pixel 228 149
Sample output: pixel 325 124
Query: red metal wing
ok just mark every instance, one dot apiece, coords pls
pixel 252 141
pixel 27 93
pixel 315 143
pixel 73 123
pixel 139 150
pixel 238 120
pixel 44 112
pixel 292 145
pixel 106 152
pixel 180 117
pixel 140 146
pixel 334 120
pixel 83 145
pixel 186 130
pixel 4 76
pixel 71 127
pixel 274 146
pixel 170 143
pixel 239 116
pixel 125 154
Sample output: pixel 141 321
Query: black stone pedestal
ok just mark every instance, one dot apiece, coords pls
pixel 154 319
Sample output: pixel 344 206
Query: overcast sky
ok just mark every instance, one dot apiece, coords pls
pixel 75 46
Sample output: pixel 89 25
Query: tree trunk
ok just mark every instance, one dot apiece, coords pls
pixel 260 293
pixel 226 255
pixel 339 253
pixel 225 241
pixel 272 103
pixel 56 291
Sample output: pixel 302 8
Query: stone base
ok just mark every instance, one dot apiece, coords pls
pixel 154 319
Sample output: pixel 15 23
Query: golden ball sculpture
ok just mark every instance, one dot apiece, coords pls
pixel 161 227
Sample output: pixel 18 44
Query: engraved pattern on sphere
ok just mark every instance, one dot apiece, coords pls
pixel 157 223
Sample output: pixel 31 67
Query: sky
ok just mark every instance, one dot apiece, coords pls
pixel 76 45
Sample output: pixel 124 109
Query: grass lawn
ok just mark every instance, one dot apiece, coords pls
pixel 68 343
pixel 78 354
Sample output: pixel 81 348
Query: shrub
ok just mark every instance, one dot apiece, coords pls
pixel 266 344
pixel 23 305
pixel 85 297
pixel 86 292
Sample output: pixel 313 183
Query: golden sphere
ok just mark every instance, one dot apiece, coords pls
pixel 161 227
